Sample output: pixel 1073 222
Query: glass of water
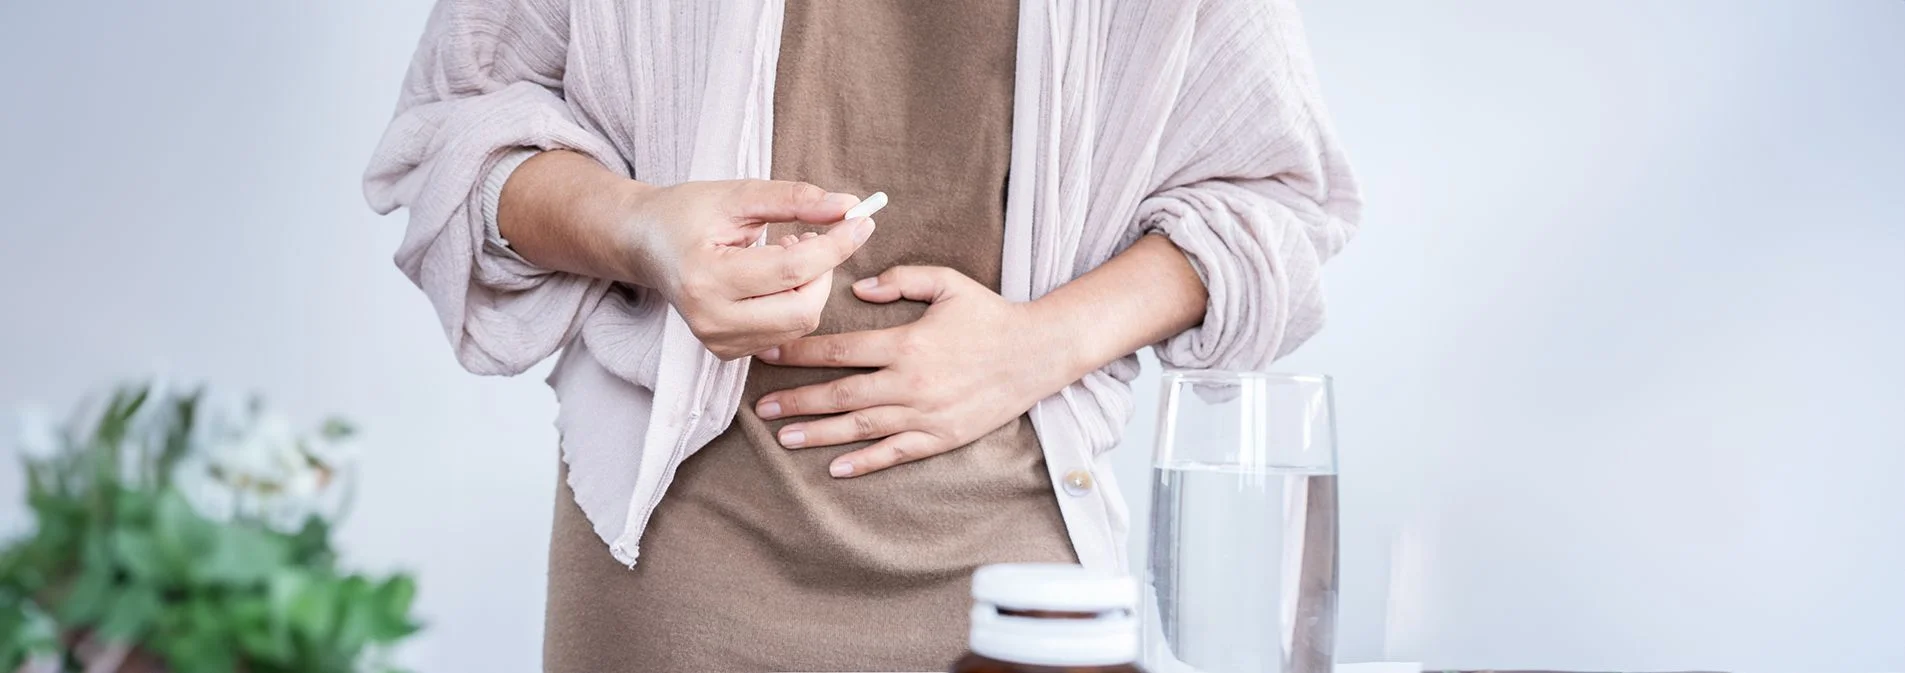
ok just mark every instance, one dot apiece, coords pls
pixel 1241 575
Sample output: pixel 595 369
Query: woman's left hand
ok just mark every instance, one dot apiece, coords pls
pixel 971 364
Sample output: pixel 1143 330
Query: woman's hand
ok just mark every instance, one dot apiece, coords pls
pixel 694 244
pixel 690 242
pixel 972 363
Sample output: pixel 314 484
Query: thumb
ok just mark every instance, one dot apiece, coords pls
pixel 931 284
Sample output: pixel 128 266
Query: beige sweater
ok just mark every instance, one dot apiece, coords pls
pixel 1198 119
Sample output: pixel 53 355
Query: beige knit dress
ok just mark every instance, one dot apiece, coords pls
pixel 756 559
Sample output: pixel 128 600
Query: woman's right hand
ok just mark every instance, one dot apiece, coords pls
pixel 694 244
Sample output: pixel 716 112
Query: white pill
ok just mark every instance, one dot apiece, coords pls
pixel 867 208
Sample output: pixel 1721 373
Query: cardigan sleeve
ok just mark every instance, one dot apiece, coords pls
pixel 490 198
pixel 484 91
pixel 1257 193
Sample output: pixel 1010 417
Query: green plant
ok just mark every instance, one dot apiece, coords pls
pixel 194 535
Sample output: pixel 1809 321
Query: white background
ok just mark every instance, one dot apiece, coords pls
pixel 1617 353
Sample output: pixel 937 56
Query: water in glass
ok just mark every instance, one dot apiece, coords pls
pixel 1242 568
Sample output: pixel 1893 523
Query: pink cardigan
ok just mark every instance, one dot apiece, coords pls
pixel 1197 119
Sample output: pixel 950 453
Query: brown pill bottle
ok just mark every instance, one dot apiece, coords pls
pixel 1051 618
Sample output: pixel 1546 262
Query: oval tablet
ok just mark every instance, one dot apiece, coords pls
pixel 867 208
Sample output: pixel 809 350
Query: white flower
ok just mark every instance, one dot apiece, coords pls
pixel 267 451
pixel 250 504
pixel 295 501
pixel 37 436
pixel 248 462
pixel 287 516
pixel 302 486
pixel 332 453
pixel 211 498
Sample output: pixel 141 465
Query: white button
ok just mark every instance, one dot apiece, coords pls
pixel 1077 482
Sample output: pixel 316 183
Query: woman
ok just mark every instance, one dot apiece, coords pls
pixel 816 429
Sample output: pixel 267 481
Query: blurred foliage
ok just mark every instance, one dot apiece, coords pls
pixel 119 555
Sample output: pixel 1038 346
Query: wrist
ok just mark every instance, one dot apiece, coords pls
pixel 1070 347
pixel 564 211
pixel 626 221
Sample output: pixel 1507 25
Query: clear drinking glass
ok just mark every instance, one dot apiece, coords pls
pixel 1241 575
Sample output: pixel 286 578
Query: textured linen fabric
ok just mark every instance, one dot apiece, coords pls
pixel 1200 120
pixel 752 538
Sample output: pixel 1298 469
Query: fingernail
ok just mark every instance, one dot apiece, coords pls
pixel 770 354
pixel 842 201
pixel 769 410
pixel 792 438
pixel 861 233
pixel 867 283
pixel 841 469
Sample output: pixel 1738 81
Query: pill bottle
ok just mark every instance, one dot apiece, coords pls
pixel 1051 618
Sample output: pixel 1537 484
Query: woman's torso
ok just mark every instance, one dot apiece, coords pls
pixel 756 558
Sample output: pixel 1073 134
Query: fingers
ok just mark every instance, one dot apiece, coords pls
pixel 904 447
pixel 752 272
pixel 930 284
pixel 847 394
pixel 875 348
pixel 862 425
pixel 783 201
pixel 748 326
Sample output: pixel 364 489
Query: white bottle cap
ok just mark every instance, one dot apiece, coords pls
pixel 1108 636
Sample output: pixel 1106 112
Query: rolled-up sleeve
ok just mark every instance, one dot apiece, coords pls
pixel 482 94
pixel 1258 195
pixel 490 200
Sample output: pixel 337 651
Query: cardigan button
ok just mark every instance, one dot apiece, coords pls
pixel 1077 482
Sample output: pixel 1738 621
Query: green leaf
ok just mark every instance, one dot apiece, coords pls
pixel 264 643
pixel 138 553
pixel 138 400
pixel 110 421
pixel 194 633
pixel 242 554
pixel 311 546
pixel 392 617
pixel 356 614
pixel 36 483
pixel 397 593
pixel 25 632
pixel 133 610
pixel 95 549
pixel 201 616
pixel 282 592
pixel 248 610
pixel 133 507
pixel 112 426
pixel 337 428
pixel 87 600
pixel 200 654
pixel 184 538
pixel 311 612
pixel 178 437
pixel 262 637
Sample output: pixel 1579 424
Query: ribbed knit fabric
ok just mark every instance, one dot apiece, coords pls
pixel 490 199
pixel 1200 120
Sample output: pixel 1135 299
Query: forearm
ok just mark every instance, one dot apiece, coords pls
pixel 562 210
pixel 1139 297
